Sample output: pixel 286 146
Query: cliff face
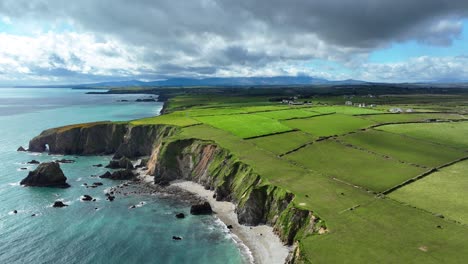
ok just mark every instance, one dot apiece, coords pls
pixel 257 201
pixel 101 138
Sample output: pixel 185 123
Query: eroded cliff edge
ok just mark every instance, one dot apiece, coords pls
pixel 257 201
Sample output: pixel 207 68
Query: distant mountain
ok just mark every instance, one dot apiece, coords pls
pixel 217 81
pixel 232 81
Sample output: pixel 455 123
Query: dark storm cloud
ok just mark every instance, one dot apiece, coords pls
pixel 205 35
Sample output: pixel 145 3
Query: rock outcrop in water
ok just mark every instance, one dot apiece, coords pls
pixel 119 175
pixel 122 163
pixel 47 174
pixel 203 208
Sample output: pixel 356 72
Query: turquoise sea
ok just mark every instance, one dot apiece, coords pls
pixel 80 233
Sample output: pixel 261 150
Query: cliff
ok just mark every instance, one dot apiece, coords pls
pixel 257 201
pixel 101 138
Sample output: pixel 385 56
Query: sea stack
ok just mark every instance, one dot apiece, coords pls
pixel 47 174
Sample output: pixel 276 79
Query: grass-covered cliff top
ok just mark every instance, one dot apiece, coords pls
pixel 364 170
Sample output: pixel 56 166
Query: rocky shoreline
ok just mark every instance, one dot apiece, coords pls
pixel 199 161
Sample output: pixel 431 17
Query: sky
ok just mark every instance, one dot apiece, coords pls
pixel 58 42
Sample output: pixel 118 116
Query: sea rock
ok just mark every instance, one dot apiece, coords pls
pixel 59 204
pixel 21 149
pixel 47 174
pixel 119 175
pixel 201 209
pixel 229 226
pixel 15 211
pixel 33 162
pixel 86 198
pixel 122 163
pixel 180 215
pixel 106 175
pixel 145 100
pixel 65 161
pixel 97 183
pixel 98 165
pixel 176 238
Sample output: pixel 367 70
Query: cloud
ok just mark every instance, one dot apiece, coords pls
pixel 419 69
pixel 161 38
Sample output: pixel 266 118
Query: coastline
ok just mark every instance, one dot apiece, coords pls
pixel 260 241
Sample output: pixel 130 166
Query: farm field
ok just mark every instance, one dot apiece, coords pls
pixel 443 192
pixel 347 110
pixel 282 143
pixel 354 166
pixel 406 117
pixel 450 134
pixel 403 148
pixel 244 125
pixel 287 114
pixel 371 225
pixel 175 119
pixel 329 125
pixel 362 227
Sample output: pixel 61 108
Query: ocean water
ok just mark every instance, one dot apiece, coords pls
pixel 80 233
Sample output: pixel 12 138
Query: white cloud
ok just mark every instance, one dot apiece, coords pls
pixel 418 69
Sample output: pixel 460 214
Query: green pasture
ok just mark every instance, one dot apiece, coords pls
pixel 403 148
pixel 443 192
pixel 282 143
pixel 354 166
pixel 450 134
pixel 244 125
pixel 341 109
pixel 175 119
pixel 287 114
pixel 329 125
pixel 410 117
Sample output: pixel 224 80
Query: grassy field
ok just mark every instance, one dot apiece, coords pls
pixel 406 117
pixel 354 166
pixel 347 110
pixel 378 229
pixel 175 119
pixel 443 192
pixel 403 148
pixel 287 114
pixel 329 125
pixel 450 134
pixel 372 233
pixel 245 125
pixel 282 143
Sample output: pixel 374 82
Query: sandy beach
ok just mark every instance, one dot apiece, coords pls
pixel 259 241
pixel 264 245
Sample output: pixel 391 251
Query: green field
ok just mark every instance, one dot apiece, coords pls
pixel 282 143
pixel 443 192
pixel 403 148
pixel 325 176
pixel 347 110
pixel 175 119
pixel 329 125
pixel 354 166
pixel 287 114
pixel 245 125
pixel 406 117
pixel 450 134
